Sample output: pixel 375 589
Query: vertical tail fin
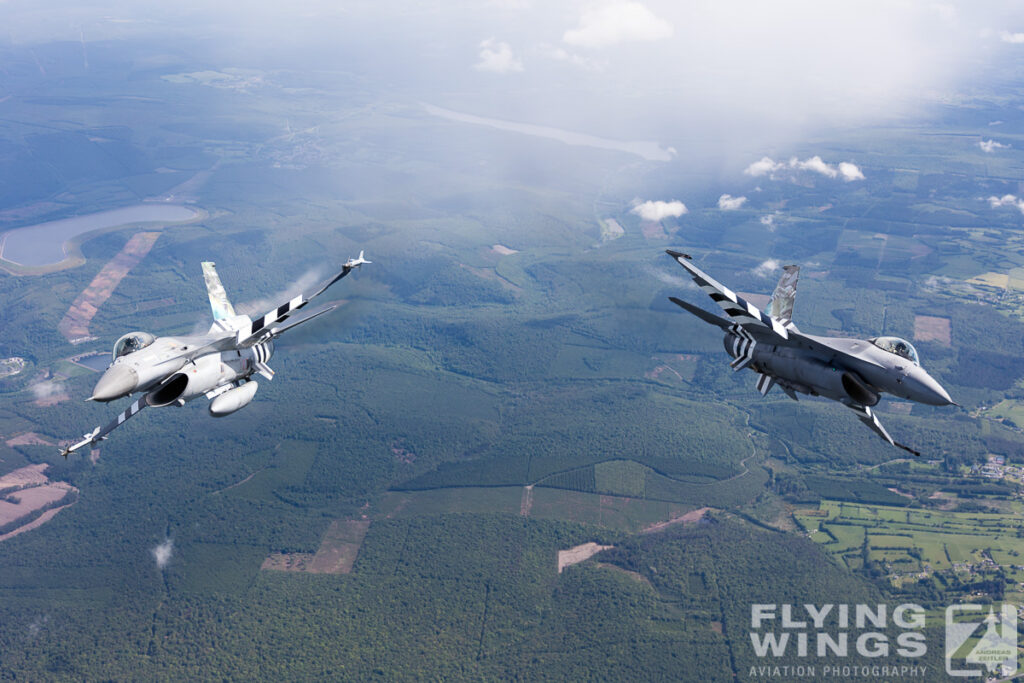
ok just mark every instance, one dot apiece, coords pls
pixel 781 307
pixel 222 308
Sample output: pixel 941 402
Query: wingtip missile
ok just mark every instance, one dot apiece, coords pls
pixel 88 439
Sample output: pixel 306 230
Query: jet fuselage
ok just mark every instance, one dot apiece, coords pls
pixel 169 378
pixel 843 369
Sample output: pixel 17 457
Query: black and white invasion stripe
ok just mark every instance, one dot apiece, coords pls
pixel 735 306
pixel 743 344
pixel 131 411
pixel 765 383
pixel 261 353
pixel 278 314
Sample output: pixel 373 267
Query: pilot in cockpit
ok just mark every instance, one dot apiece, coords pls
pixel 132 342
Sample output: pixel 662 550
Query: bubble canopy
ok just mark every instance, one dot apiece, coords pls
pixel 132 342
pixel 901 347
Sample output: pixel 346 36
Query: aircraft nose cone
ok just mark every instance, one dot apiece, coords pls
pixel 931 392
pixel 117 381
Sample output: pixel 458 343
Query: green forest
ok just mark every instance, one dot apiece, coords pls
pixel 501 385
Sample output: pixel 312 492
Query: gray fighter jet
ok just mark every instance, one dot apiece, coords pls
pixel 854 372
pixel 219 364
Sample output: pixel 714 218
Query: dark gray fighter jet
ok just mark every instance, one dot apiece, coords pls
pixel 854 372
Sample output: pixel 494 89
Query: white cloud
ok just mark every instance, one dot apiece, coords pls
pixel 162 553
pixel 1007 200
pixel 621 22
pixel 497 57
pixel 850 172
pixel 260 306
pixel 766 268
pixel 37 625
pixel 936 281
pixel 766 166
pixel 814 164
pixel 729 203
pixel 946 12
pixel 989 146
pixel 760 73
pixel 768 221
pixel 1015 38
pixel 658 210
pixel 47 389
pixel 670 278
pixel 763 167
pixel 562 55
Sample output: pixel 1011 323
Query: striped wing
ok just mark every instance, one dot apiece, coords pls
pixel 98 434
pixel 739 310
pixel 261 328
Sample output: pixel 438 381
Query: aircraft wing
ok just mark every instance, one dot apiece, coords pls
pixel 868 417
pixel 98 434
pixel 268 325
pixel 739 310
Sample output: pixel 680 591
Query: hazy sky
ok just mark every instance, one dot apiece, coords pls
pixel 655 69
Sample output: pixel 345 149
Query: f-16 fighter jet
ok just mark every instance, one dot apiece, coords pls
pixel 854 372
pixel 219 364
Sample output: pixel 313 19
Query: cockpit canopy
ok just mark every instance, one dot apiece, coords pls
pixel 901 347
pixel 132 342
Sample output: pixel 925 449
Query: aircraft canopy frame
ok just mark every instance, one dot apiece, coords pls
pixel 130 343
pixel 898 346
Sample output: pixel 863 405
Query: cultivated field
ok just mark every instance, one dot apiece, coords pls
pixel 336 555
pixel 913 544
pixel 75 324
pixel 930 328
pixel 23 494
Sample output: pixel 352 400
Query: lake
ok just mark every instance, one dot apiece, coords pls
pixel 97 361
pixel 44 244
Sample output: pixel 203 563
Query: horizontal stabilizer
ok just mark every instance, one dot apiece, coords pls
pixel 315 314
pixel 710 318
